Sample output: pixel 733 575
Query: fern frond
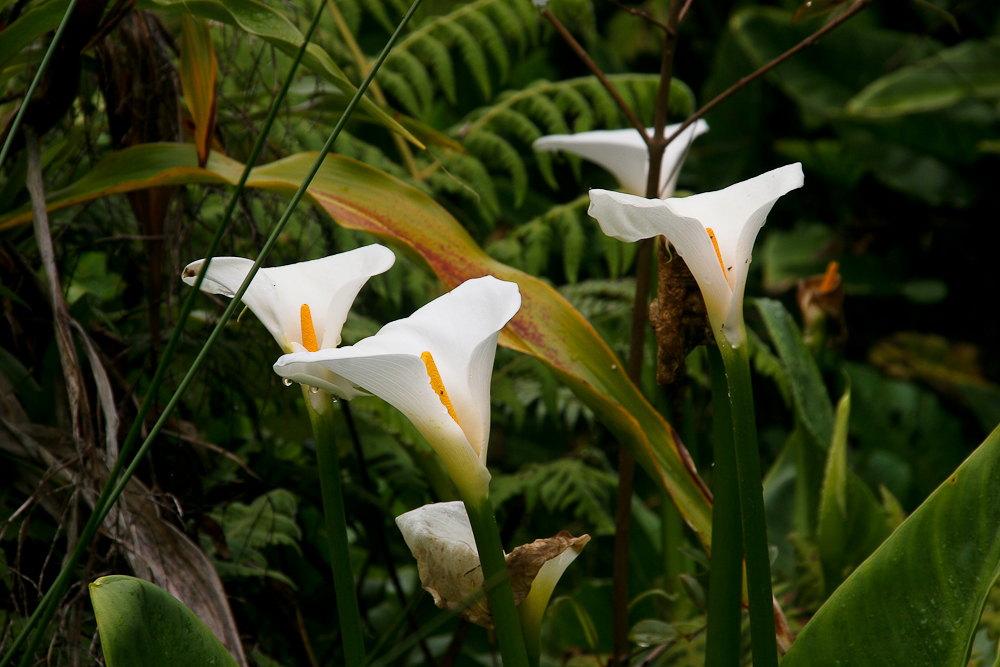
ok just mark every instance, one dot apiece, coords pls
pixel 417 78
pixel 561 485
pixel 396 85
pixel 496 151
pixel 467 177
pixel 433 52
pixel 484 33
pixel 549 107
pixel 472 53
pixel 492 41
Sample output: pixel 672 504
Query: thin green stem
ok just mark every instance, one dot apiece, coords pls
pixel 725 579
pixel 328 462
pixel 15 126
pixel 46 607
pixel 758 564
pixel 501 596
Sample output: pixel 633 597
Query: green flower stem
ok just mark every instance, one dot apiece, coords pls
pixel 501 595
pixel 725 579
pixel 531 626
pixel 328 462
pixel 758 564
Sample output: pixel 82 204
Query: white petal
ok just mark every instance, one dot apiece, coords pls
pixel 460 330
pixel 631 218
pixel 676 152
pixel 226 274
pixel 624 153
pixel 735 215
pixel 276 295
pixel 729 210
pixel 313 374
pixel 441 539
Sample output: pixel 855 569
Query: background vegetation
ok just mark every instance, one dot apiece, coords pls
pixel 894 116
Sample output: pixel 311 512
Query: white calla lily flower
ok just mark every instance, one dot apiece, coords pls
pixel 714 232
pixel 441 539
pixel 435 367
pixel 624 153
pixel 304 305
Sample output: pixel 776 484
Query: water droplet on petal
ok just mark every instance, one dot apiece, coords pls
pixel 333 398
pixel 313 390
pixel 287 382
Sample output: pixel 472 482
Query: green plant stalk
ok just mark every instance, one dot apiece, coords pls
pixel 671 537
pixel 328 462
pixel 725 579
pixel 751 491
pixel 104 501
pixel 531 624
pixel 501 595
pixel 46 607
pixel 16 125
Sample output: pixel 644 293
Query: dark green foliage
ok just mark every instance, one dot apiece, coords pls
pixel 894 117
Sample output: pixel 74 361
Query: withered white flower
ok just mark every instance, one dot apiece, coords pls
pixel 440 537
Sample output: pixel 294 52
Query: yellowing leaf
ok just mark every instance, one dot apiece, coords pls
pixel 198 72
pixel 362 198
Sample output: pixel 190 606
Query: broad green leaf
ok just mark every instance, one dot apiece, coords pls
pixel 256 18
pixel 362 198
pixel 197 73
pixel 917 600
pixel 851 522
pixel 30 26
pixel 810 398
pixel 970 69
pixel 142 625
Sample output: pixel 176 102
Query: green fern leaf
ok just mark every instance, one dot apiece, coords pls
pixel 490 38
pixel 493 149
pixel 574 242
pixel 472 54
pixel 416 76
pixel 468 177
pixel 435 53
pixel 396 85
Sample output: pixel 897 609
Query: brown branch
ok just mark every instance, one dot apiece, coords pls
pixel 643 15
pixel 640 320
pixel 596 71
pixel 808 41
pixel 684 11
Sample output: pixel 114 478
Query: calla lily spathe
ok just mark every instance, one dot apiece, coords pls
pixel 714 232
pixel 435 367
pixel 304 306
pixel 441 539
pixel 624 154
